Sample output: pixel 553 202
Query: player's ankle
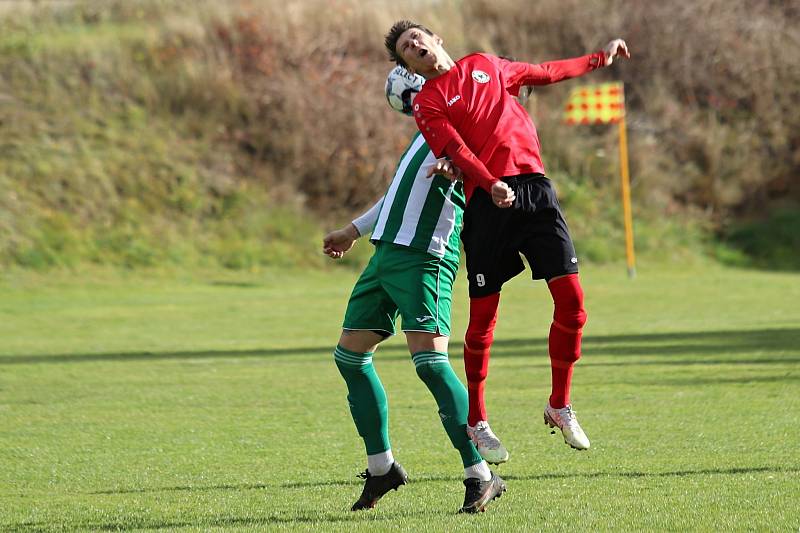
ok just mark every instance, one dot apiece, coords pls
pixel 480 471
pixel 379 464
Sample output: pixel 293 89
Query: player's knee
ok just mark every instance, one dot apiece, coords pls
pixel 430 366
pixel 476 355
pixel 352 364
pixel 569 312
pixel 482 319
pixel 478 340
pixel 573 318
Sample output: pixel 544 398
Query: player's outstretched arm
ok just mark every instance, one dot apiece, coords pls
pixel 616 48
pixel 563 69
pixel 338 242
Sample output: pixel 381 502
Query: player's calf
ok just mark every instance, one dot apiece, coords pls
pixel 477 343
pixel 564 341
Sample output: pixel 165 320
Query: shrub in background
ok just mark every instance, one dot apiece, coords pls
pixel 138 133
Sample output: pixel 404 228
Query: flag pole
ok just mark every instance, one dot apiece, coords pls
pixel 626 197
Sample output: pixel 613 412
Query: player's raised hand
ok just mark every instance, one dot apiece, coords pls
pixel 337 243
pixel 615 48
pixel 502 194
pixel 445 167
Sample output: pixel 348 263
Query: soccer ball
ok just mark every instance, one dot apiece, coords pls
pixel 401 88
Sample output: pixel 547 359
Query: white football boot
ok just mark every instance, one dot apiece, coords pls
pixel 564 419
pixel 488 444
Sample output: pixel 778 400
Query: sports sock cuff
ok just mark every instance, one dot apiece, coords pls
pixel 478 470
pixel 349 358
pixel 379 464
pixel 421 358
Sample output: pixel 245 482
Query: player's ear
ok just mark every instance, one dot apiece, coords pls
pixel 438 39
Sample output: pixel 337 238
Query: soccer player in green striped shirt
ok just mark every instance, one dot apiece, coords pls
pixel 415 229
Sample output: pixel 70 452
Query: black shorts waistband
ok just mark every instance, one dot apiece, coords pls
pixel 521 179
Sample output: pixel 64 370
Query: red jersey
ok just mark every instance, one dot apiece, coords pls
pixel 469 114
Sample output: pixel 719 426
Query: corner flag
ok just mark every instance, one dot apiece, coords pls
pixel 596 104
pixel 605 104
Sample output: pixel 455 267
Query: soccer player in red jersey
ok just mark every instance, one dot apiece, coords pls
pixel 467 112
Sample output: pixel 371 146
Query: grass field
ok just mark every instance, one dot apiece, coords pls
pixel 211 402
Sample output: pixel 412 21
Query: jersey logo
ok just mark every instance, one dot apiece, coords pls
pixel 480 76
pixel 453 100
pixel 425 318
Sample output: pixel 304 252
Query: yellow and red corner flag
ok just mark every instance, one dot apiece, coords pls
pixel 602 103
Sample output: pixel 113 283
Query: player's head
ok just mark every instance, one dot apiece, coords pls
pixel 413 46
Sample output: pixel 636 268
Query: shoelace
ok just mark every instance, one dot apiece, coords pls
pixel 568 415
pixel 485 436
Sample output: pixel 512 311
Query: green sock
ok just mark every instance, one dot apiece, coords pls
pixel 366 397
pixel 434 369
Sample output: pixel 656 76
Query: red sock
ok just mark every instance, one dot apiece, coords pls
pixel 561 373
pixel 569 317
pixel 477 343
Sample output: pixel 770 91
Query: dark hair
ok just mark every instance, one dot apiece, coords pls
pixel 390 41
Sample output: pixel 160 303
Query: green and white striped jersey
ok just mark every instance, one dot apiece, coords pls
pixel 419 212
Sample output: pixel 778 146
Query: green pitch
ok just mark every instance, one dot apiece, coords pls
pixel 208 403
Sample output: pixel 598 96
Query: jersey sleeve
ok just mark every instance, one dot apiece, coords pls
pixel 433 122
pixel 518 73
pixel 365 223
pixel 443 139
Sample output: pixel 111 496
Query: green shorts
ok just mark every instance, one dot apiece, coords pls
pixel 399 280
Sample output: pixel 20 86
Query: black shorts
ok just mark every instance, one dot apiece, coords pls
pixel 494 238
